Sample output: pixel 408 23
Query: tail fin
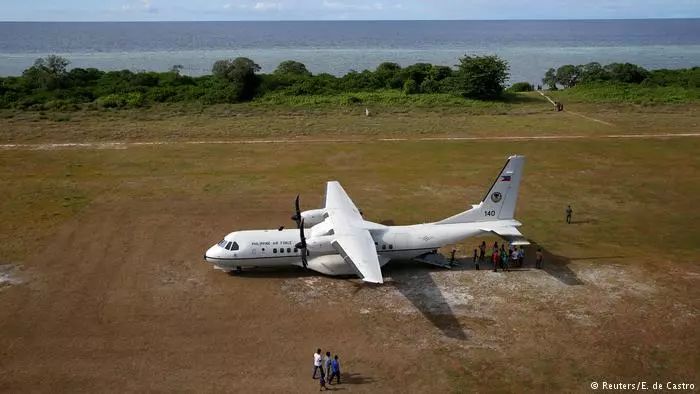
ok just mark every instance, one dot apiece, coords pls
pixel 499 202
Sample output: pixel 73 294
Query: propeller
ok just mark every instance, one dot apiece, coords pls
pixel 302 244
pixel 297 216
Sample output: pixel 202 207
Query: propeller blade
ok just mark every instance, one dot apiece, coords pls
pixel 297 211
pixel 302 244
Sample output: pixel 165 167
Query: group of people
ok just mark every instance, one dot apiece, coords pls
pixel 328 367
pixel 500 257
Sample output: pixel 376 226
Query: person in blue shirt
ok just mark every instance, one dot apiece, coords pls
pixel 335 370
pixel 327 363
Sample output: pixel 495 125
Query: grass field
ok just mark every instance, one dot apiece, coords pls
pixel 530 116
pixel 106 245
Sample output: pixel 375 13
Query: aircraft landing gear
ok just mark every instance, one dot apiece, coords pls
pixel 237 271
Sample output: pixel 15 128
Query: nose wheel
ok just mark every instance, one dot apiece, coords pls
pixel 236 271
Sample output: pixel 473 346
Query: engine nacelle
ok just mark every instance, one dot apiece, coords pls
pixel 312 217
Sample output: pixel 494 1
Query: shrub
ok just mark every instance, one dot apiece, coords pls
pixel 410 87
pixel 521 87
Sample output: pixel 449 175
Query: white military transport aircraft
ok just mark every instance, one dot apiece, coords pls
pixel 337 240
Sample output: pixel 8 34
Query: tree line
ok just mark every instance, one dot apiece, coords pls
pixel 569 75
pixel 50 84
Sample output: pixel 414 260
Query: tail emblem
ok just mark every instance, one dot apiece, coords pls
pixel 496 196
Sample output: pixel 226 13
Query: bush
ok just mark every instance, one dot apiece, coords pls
pixel 131 100
pixel 521 87
pixel 482 77
pixel 410 87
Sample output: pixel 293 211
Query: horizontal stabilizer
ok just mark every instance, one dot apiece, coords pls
pixel 510 234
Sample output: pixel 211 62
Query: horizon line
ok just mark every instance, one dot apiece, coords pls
pixel 355 20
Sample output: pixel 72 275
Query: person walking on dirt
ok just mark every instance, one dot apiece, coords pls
pixel 327 363
pixel 335 370
pixel 317 363
pixel 569 211
pixel 482 252
pixel 495 259
pixel 538 259
pixel 322 382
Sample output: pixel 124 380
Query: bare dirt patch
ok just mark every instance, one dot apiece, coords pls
pixel 123 302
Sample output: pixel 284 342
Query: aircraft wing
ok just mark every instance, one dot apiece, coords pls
pixel 351 239
pixel 358 251
pixel 510 234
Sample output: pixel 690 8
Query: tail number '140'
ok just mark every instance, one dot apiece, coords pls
pixel 490 213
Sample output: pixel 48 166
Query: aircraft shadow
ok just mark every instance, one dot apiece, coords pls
pixel 413 281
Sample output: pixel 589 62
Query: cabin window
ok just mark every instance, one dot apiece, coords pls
pixel 295 250
pixel 234 246
pixel 289 250
pixel 274 250
pixel 376 244
pixel 391 246
pixel 383 247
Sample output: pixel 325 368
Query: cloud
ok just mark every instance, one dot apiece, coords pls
pixel 259 6
pixel 267 6
pixel 339 5
pixel 142 5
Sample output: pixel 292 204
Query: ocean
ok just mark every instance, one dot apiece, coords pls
pixel 336 47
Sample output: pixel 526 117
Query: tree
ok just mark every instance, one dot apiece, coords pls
pixel 292 67
pixel 568 75
pixel 438 73
pixel 592 72
pixel 550 79
pixel 417 72
pixel 482 77
pixel 239 73
pixel 626 72
pixel 47 73
pixel 387 74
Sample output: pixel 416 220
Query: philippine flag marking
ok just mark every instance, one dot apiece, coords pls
pixel 505 178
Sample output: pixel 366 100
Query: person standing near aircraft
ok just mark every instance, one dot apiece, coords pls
pixel 521 256
pixel 482 251
pixel 514 257
pixel 569 211
pixel 495 259
pixel 476 260
pixel 538 260
pixel 317 363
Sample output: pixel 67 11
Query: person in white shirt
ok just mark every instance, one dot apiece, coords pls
pixel 317 363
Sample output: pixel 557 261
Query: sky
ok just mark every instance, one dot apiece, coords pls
pixel 224 10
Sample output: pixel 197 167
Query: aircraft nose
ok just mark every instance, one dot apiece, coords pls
pixel 211 253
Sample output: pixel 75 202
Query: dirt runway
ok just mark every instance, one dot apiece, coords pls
pixel 120 300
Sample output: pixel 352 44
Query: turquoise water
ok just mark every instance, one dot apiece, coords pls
pixel 337 47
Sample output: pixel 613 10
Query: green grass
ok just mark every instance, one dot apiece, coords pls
pixel 387 98
pixel 627 93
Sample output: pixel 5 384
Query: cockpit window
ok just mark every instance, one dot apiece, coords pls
pixel 222 243
pixel 228 246
pixel 234 246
